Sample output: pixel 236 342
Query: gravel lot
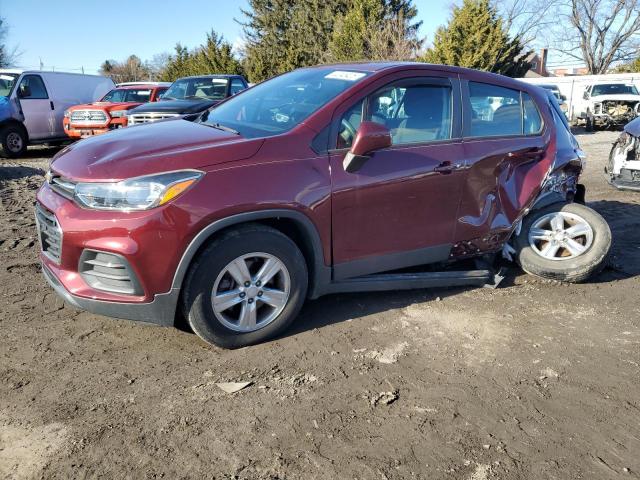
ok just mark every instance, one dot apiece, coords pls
pixel 533 380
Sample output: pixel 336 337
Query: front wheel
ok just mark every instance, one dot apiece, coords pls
pixel 14 141
pixel 246 287
pixel 564 241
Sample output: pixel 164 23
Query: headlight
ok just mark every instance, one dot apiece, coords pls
pixel 67 114
pixel 118 113
pixel 141 193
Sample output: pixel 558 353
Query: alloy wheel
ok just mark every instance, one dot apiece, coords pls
pixel 560 236
pixel 251 291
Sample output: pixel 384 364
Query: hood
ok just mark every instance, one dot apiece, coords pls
pixel 619 97
pixel 151 148
pixel 633 127
pixel 175 106
pixel 104 106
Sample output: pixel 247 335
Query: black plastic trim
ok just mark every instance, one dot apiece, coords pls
pixel 161 311
pixel 320 274
pixel 409 281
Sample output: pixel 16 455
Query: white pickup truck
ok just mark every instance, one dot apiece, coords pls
pixel 607 105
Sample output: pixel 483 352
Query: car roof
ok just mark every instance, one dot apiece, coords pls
pixel 394 66
pixel 222 75
pixel 137 86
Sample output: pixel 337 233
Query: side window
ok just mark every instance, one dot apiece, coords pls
pixel 349 125
pixel 158 95
pixel 532 119
pixel 495 111
pixel 236 86
pixel 413 114
pixel 32 87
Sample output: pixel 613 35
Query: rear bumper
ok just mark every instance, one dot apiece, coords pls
pixel 160 311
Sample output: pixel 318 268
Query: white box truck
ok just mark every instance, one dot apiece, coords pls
pixel 32 105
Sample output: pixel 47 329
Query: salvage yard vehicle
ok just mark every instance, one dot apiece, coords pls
pixel 189 95
pixel 560 98
pixel 32 105
pixel 608 105
pixel 623 169
pixel 337 178
pixel 110 112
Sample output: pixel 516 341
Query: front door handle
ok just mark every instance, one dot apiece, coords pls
pixel 447 167
pixel 51 103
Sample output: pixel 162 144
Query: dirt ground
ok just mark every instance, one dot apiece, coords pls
pixel 533 380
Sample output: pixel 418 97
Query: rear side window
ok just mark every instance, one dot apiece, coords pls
pixel 499 111
pixel 495 111
pixel 532 119
pixel 236 86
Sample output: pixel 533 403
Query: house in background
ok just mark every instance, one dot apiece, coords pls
pixel 538 63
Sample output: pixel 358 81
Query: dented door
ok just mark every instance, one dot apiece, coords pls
pixel 504 168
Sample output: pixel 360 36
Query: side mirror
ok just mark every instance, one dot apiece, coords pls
pixel 563 98
pixel 370 137
pixel 586 95
pixel 24 91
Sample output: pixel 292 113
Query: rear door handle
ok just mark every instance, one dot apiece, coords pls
pixel 447 167
pixel 532 153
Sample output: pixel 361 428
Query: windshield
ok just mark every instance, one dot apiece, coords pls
pixel 197 88
pixel 614 89
pixel 128 95
pixel 279 104
pixel 7 80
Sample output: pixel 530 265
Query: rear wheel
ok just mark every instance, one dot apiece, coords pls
pixel 246 287
pixel 567 242
pixel 14 141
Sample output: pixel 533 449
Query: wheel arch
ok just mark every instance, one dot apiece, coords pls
pixel 12 122
pixel 292 223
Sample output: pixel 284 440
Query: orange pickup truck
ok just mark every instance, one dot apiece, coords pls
pixel 110 112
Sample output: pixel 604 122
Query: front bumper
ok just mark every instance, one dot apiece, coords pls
pixel 160 311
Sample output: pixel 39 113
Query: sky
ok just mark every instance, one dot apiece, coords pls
pixel 74 34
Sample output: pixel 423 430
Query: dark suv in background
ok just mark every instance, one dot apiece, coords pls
pixel 188 95
pixel 337 178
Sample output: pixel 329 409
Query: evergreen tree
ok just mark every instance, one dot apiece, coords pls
pixel 376 30
pixel 285 34
pixel 214 56
pixel 476 38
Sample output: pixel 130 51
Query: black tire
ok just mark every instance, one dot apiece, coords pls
pixel 588 126
pixel 577 269
pixel 11 147
pixel 198 308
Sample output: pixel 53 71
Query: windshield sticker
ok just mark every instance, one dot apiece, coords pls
pixel 344 75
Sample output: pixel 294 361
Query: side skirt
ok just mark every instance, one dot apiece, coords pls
pixel 409 281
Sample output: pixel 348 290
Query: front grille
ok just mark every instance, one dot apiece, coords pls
pixel 49 233
pixel 138 118
pixel 108 272
pixel 86 117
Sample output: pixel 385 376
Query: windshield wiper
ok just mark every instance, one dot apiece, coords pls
pixel 221 127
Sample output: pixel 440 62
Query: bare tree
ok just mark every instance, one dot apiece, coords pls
pixel 527 20
pixel 394 40
pixel 601 32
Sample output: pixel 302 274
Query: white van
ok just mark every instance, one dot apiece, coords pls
pixel 32 105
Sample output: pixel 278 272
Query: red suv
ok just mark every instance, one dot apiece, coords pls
pixel 328 179
pixel 110 112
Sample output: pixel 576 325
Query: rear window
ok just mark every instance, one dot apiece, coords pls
pixel 141 95
pixel 499 111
